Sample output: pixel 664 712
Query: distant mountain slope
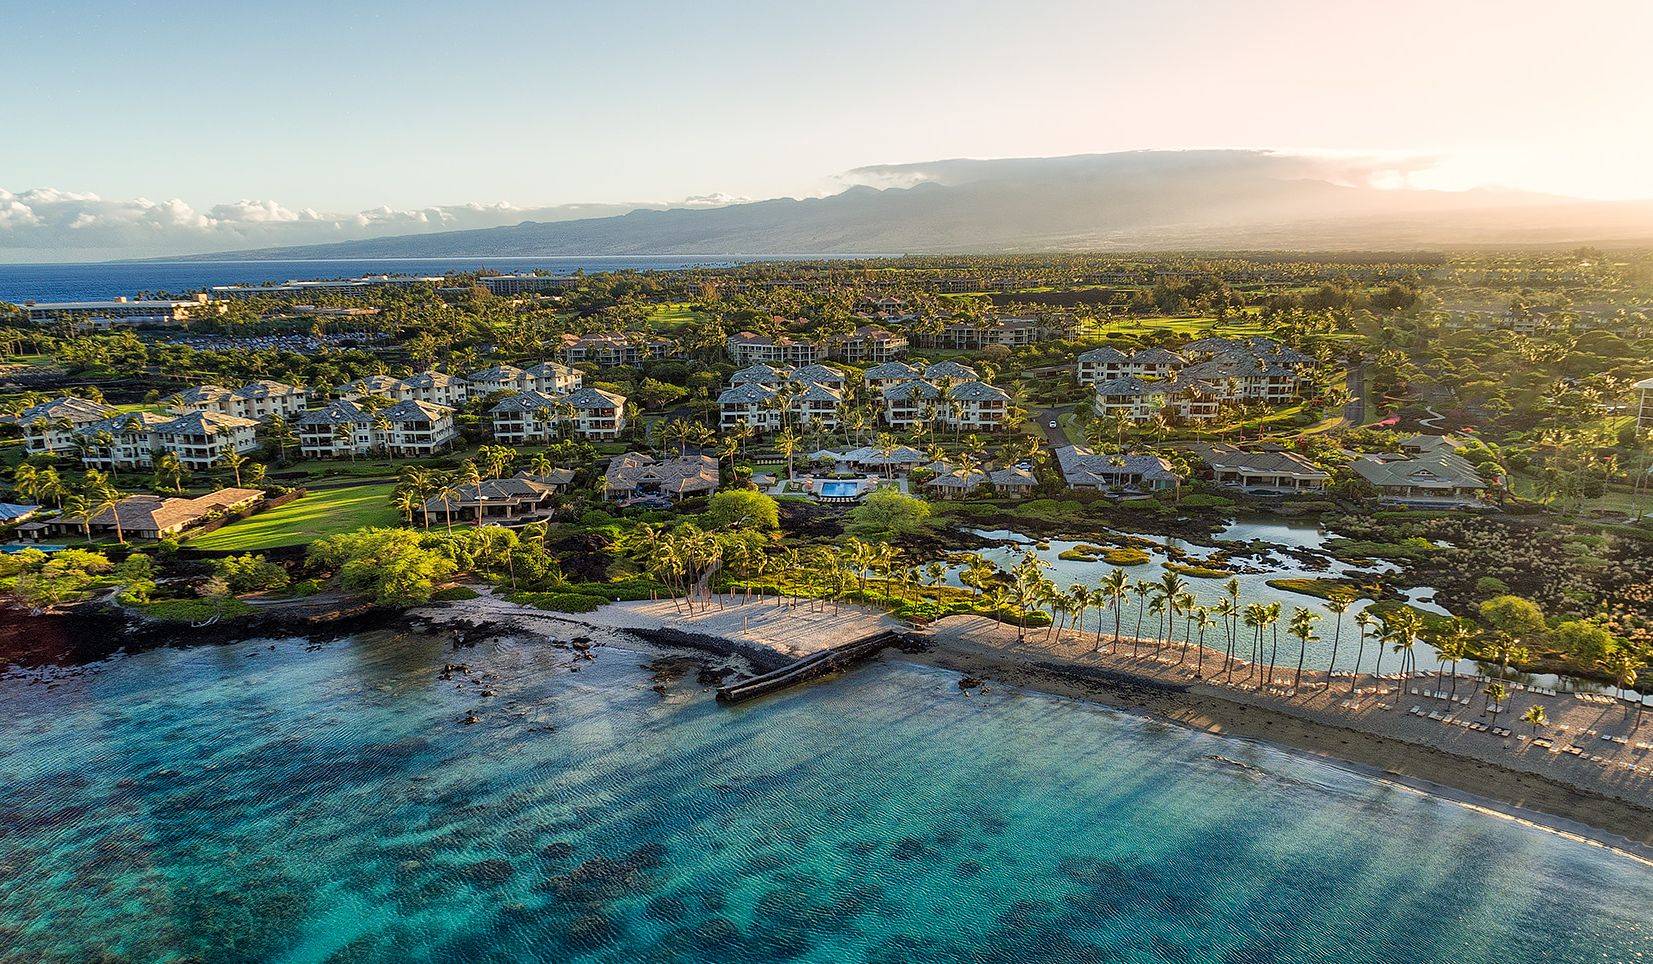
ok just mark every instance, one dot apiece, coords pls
pixel 1132 200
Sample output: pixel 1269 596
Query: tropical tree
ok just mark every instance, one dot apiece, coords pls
pixel 1337 606
pixel 233 461
pixel 1496 693
pixel 1364 624
pixel 1114 587
pixel 1535 717
pixel 1302 627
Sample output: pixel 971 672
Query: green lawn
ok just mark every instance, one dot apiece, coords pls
pixel 672 315
pixel 317 514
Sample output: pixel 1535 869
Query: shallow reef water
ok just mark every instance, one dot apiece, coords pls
pixel 302 803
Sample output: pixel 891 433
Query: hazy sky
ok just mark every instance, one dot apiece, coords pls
pixel 339 106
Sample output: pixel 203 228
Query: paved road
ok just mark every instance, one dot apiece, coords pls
pixel 1042 417
pixel 1355 411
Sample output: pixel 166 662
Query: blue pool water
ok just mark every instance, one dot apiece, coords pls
pixel 840 490
pixel 304 803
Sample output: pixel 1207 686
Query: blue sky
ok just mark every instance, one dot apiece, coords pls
pixel 343 106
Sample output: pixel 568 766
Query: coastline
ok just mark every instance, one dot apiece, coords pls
pixel 1622 821
pixel 1618 818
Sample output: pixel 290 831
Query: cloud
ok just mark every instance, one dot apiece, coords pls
pixel 45 224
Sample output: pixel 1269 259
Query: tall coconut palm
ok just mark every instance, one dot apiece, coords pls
pixel 233 461
pixel 1143 589
pixel 1337 606
pixel 1202 622
pixel 1364 624
pixel 1081 598
pixel 1254 616
pixel 1302 627
pixel 1496 693
pixel 1114 587
pixel 1622 665
pixel 1171 586
pixel 1228 611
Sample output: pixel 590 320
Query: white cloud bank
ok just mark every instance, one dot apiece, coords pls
pixel 46 224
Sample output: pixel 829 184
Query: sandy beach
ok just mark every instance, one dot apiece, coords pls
pixel 1603 792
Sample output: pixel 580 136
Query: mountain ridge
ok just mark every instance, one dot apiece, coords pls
pixel 1136 200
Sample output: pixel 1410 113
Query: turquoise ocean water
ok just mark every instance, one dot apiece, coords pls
pixel 303 803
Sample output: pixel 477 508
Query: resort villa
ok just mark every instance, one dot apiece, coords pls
pixel 517 500
pixel 119 311
pixel 1114 474
pixel 613 351
pixel 256 400
pixel 147 516
pixel 1266 471
pixel 1435 478
pixel 763 398
pixel 869 343
pixel 637 475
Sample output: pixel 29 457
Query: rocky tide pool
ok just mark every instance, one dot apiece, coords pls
pixel 305 803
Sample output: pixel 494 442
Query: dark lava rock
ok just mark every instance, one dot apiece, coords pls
pixel 557 850
pixel 490 873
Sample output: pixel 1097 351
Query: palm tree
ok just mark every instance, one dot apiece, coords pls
pixel 1081 599
pixel 1496 693
pixel 1202 622
pixel 1364 623
pixel 1450 647
pixel 105 497
pixel 1025 580
pixel 977 570
pixel 1535 717
pixel 168 467
pixel 406 503
pixel 786 443
pixel 1253 616
pixel 233 460
pixel 1228 611
pixel 1171 588
pixel 1114 586
pixel 1302 627
pixel 1337 606
pixel 1271 622
pixel 74 504
pixel 1143 590
pixel 1622 665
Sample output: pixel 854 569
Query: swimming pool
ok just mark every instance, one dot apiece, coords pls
pixel 840 490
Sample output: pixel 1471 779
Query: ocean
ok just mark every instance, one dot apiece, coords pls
pixel 79 282
pixel 285 800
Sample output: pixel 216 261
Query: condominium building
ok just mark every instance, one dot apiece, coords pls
pixel 51 426
pixel 1644 409
pixel 528 417
pixel 125 441
pixel 868 343
pixel 975 407
pixel 201 440
pixel 750 348
pixel 597 414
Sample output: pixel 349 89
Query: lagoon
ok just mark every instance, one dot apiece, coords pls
pixel 288 800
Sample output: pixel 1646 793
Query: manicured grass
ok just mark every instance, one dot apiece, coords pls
pixel 322 513
pixel 672 315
